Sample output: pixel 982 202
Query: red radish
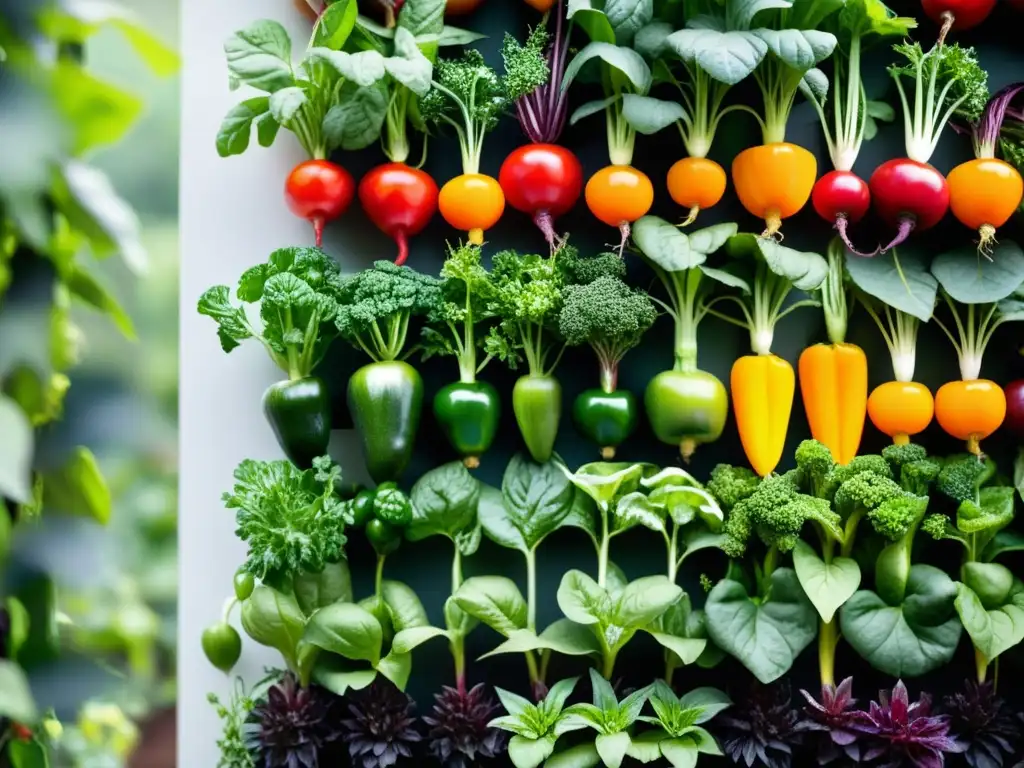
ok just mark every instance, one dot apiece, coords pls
pixel 908 191
pixel 319 191
pixel 543 180
pixel 1015 408
pixel 909 194
pixel 400 200
pixel 842 197
pixel 957 14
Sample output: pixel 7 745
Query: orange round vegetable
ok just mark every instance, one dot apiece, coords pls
pixel 472 202
pixel 618 195
pixel 901 409
pixel 983 194
pixel 696 183
pixel 762 399
pixel 970 410
pixel 834 387
pixel 541 5
pixel 774 181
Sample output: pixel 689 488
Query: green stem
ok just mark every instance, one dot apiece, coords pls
pixel 396 133
pixel 980 665
pixel 531 590
pixel 378 581
pixel 608 663
pixel 673 554
pixel 602 555
pixel 828 641
pixel 771 562
pixel 833 295
pixel 457 641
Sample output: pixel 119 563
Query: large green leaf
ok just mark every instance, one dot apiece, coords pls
pixel 590 17
pixel 970 278
pixel 16 452
pixel 626 61
pixel 99 113
pixel 990 603
pixel 274 619
pixel 405 608
pixel 534 502
pixel 347 630
pixel 494 600
pixel 765 635
pixel 444 502
pixel 356 121
pixel 728 56
pixel 801 50
pixel 78 488
pixel 627 17
pixel 260 56
pixel 332 585
pixel 563 636
pixel 336 24
pixel 909 639
pixel 901 281
pixel 648 115
pixel 827 585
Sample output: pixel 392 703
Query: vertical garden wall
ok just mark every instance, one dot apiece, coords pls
pixel 234 216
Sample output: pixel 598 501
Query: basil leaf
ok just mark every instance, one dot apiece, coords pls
pixel 274 619
pixel 624 60
pixel 336 24
pixel 611 747
pixel 236 128
pixel 347 630
pixel 495 601
pixel 260 56
pixel 534 502
pixel 337 675
pixel 642 601
pixel 903 282
pixel 972 279
pixel 605 481
pixel 407 640
pixel 563 636
pixel 912 638
pixel 315 590
pixel 396 667
pixel 648 115
pixel 582 600
pixel 444 502
pixel 765 636
pixel 530 753
pixel 357 120
pixel 994 621
pixel 827 585
pixel 405 609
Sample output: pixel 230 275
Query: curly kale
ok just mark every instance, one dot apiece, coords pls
pixel 291 519
pixel 580 270
pixel 730 484
pixel 466 294
pixel 297 290
pixel 527 300
pixel 471 97
pixel 376 305
pixel 392 505
pixel 609 316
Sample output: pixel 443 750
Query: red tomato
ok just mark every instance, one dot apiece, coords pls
pixel 319 191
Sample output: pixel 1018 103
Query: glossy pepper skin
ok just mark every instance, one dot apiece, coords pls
pixel 222 645
pixel 385 400
pixel 762 395
pixel 605 418
pixel 468 413
pixel 537 403
pixel 834 388
pixel 686 408
pixel 299 412
pixel 383 537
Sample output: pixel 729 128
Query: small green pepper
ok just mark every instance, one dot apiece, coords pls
pixel 384 537
pixel 362 507
pixel 299 412
pixel 245 583
pixel 222 645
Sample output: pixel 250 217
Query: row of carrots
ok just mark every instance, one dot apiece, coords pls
pixel 773 181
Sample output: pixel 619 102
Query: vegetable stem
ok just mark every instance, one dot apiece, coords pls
pixel 833 295
pixel 396 134
pixel 972 337
pixel 899 330
pixel 378 581
pixel 980 665
pixel 602 555
pixel 828 641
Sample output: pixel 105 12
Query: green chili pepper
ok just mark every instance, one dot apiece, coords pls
pixel 245 583
pixel 222 645
pixel 385 400
pixel 299 412
pixel 384 537
pixel 537 403
pixel 468 414
pixel 362 507
pixel 606 418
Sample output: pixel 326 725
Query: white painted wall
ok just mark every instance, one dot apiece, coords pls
pixel 232 216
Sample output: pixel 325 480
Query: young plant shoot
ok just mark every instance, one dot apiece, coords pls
pixel 467 410
pixel 297 290
pixel 610 718
pixel 611 318
pixel 841 196
pixel 542 178
pixel 774 180
pixel 981 296
pixel 618 194
pixel 686 406
pixel 535 728
pixel 986 191
pixel 528 294
pixel 763 384
pixel 315 100
pixel 908 192
pixel 990 599
pixel 470 97
pixel 681 58
pixel 385 397
pixel 898 293
pixel 834 376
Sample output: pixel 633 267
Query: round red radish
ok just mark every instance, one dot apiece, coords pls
pixel 1014 421
pixel 543 180
pixel 843 198
pixel 910 195
pixel 966 13
pixel 400 200
pixel 319 191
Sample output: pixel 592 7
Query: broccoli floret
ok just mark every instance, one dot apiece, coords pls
pixel 776 512
pixel 375 307
pixel 392 506
pixel 609 316
pixel 900 455
pixel 939 527
pixel 814 462
pixel 730 485
pixel 962 475
pixel 898 516
pixel 581 271
pixel 865 492
pixel 870 462
pixel 917 477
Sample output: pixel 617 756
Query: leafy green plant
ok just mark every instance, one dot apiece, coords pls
pixel 678 736
pixel 535 727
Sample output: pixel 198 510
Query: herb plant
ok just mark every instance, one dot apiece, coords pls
pixel 612 720
pixel 535 728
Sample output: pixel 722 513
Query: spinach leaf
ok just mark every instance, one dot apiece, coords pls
pixel 534 501
pixel 274 619
pixel 260 56
pixel 331 585
pixel 346 630
pixel 970 279
pixel 495 601
pixel 990 603
pixel 911 638
pixel 766 635
pixel 444 503
pixel 827 585
pixel 903 282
